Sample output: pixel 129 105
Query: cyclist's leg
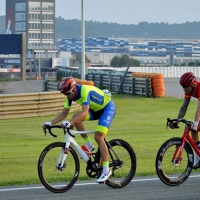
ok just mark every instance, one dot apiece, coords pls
pixel 80 127
pixel 102 128
pixel 99 138
pixel 195 137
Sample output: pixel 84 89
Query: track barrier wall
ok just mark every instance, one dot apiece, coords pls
pixel 32 104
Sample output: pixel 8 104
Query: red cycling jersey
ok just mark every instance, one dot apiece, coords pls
pixel 196 94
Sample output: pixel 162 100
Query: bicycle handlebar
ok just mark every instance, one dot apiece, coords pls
pixel 54 126
pixel 174 121
pixel 69 130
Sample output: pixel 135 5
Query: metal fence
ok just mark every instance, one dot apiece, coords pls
pixel 168 72
pixel 115 83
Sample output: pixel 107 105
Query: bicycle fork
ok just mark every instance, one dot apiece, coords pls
pixel 178 152
pixel 60 164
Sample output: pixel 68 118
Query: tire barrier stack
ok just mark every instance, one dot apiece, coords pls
pixel 157 82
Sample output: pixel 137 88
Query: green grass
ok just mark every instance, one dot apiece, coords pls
pixel 139 120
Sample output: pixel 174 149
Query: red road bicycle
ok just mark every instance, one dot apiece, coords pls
pixel 174 160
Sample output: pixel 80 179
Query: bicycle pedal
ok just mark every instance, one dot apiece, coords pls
pixel 101 182
pixel 197 166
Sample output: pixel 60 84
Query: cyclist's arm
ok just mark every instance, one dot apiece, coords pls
pixel 61 116
pixel 197 114
pixel 81 115
pixel 183 108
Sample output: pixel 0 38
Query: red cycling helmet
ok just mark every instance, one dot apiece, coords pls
pixel 67 85
pixel 187 79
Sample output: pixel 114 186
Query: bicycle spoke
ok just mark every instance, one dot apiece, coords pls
pixel 53 177
pixel 122 162
pixel 171 171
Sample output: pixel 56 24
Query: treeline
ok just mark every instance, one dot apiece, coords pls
pixel 72 28
pixel 124 60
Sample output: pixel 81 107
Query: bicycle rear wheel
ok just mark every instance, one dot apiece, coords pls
pixel 170 171
pixel 122 163
pixel 52 177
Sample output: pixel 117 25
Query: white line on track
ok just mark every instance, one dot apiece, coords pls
pixel 81 184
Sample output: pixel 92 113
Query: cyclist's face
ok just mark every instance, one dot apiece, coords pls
pixel 71 95
pixel 188 89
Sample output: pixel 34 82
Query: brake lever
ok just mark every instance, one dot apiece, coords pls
pixel 167 124
pixel 171 121
pixel 49 129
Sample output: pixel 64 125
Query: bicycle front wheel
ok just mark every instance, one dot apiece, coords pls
pixel 122 163
pixel 171 171
pixel 53 177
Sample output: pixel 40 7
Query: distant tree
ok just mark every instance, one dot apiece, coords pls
pixel 124 61
pixel 134 62
pixel 87 60
pixel 197 63
pixel 192 64
pixel 115 61
pixel 183 64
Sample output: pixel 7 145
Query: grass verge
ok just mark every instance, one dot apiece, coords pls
pixel 140 121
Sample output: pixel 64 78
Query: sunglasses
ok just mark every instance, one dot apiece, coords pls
pixel 67 93
pixel 185 86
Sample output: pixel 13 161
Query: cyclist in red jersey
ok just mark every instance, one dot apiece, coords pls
pixel 192 89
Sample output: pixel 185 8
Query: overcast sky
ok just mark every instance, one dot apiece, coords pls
pixel 128 11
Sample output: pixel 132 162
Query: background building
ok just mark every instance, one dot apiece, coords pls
pixel 36 18
pixel 150 52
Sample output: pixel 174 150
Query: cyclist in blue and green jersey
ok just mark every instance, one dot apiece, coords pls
pixel 96 104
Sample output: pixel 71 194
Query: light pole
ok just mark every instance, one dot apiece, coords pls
pixel 83 43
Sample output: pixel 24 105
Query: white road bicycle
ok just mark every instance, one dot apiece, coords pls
pixel 59 165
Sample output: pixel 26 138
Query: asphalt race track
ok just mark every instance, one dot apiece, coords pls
pixel 143 188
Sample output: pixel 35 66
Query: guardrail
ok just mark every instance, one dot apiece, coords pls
pixel 32 104
pixel 130 85
pixel 168 72
pixel 51 85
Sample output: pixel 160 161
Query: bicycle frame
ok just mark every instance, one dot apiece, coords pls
pixel 70 141
pixel 186 137
pixel 63 176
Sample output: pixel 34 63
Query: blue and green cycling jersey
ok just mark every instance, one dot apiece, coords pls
pixel 89 95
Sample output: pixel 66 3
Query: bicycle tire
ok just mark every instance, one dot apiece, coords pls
pixel 123 175
pixel 171 173
pixel 54 180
